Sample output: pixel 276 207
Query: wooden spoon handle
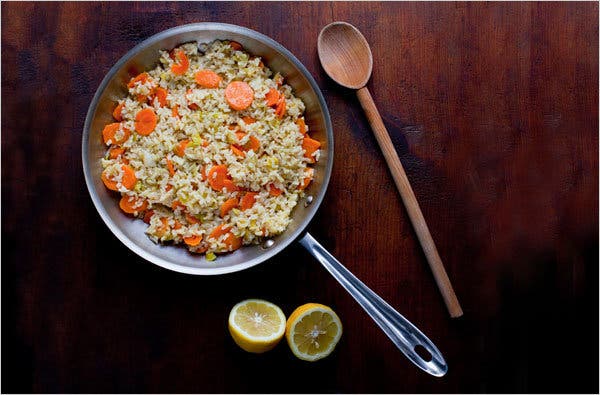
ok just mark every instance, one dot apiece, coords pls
pixel 410 202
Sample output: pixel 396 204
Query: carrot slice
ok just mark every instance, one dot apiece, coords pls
pixel 203 173
pixel 143 78
pixel 274 191
pixel 128 181
pixel 232 242
pixel 175 111
pixel 193 241
pixel 109 183
pixel 252 144
pixel 239 95
pixel 310 146
pixel 182 65
pixel 168 187
pixel 272 97
pixel 248 120
pixel 115 152
pixel 164 227
pixel 110 132
pixel 228 205
pixel 180 148
pixel 301 125
pixel 161 95
pixel 177 225
pixel 235 45
pixel 248 200
pixel 219 179
pixel 230 186
pixel 280 109
pixel 178 205
pixel 131 205
pixel 191 219
pixel 191 106
pixel 207 79
pixel 145 121
pixel 118 112
pixel 219 231
pixel 148 216
pixel 309 174
pixel 237 151
pixel 170 166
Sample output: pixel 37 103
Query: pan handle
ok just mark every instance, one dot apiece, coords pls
pixel 405 335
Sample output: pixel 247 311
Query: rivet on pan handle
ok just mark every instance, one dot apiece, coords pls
pixel 402 332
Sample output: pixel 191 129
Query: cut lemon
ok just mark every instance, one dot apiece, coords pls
pixel 256 325
pixel 312 331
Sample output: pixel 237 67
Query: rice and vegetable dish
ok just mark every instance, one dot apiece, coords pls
pixel 210 149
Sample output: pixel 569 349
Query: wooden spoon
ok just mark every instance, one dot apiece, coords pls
pixel 346 57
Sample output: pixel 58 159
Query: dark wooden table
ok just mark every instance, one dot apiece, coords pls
pixel 493 109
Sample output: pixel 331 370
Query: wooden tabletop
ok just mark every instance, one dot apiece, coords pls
pixel 493 109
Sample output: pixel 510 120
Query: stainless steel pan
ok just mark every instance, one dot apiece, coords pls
pixel 131 232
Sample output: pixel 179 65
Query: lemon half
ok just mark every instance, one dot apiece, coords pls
pixel 256 325
pixel 312 331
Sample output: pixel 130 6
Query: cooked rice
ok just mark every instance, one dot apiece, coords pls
pixel 280 160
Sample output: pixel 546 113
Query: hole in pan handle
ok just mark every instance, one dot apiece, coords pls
pixel 402 332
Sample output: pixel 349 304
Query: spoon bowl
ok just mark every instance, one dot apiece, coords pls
pixel 345 55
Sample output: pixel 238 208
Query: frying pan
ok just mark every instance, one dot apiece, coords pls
pixel 144 56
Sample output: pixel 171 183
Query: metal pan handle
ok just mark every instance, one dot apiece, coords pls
pixel 405 335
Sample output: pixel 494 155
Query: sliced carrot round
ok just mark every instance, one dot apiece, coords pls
pixel 178 205
pixel 253 142
pixel 161 95
pixel 310 146
pixel 170 166
pixel 239 95
pixel 218 179
pixel 274 191
pixel 132 205
pixel 182 65
pixel 280 109
pixel 237 151
pixel 148 216
pixel 111 134
pixel 235 45
pixel 248 120
pixel 308 176
pixel 229 186
pixel 163 228
pixel 175 111
pixel 248 200
pixel 193 241
pixel 228 205
pixel 115 152
pixel 180 148
pixel 145 121
pixel 232 242
pixel 108 182
pixel 207 79
pixel 118 112
pixel 301 125
pixel 191 219
pixel 128 180
pixel 272 97
pixel 143 78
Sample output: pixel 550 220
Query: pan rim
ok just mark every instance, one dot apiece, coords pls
pixel 282 243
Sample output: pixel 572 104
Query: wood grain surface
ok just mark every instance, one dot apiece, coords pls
pixel 493 110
